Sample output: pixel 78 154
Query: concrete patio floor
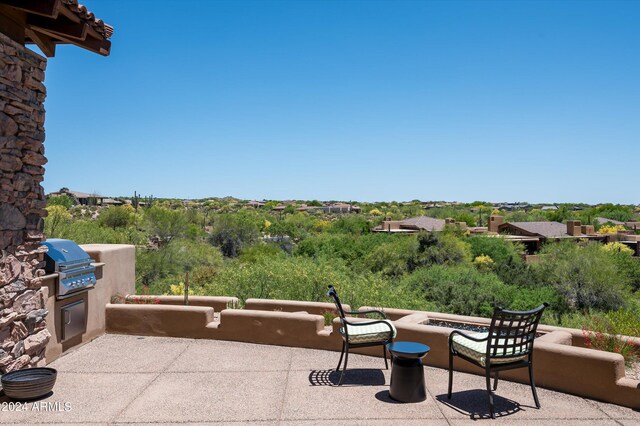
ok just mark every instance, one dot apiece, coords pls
pixel 128 379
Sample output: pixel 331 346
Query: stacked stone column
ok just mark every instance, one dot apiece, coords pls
pixel 23 332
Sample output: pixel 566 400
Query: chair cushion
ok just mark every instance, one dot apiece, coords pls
pixel 478 350
pixel 370 333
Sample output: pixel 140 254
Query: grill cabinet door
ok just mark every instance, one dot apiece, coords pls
pixel 74 320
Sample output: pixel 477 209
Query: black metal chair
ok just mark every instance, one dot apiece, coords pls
pixel 361 333
pixel 507 345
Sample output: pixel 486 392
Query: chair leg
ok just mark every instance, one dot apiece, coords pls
pixel 450 374
pixel 344 368
pixel 495 380
pixel 341 356
pixel 384 353
pixel 488 376
pixel 533 386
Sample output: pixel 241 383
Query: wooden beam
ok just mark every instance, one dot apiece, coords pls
pixel 58 26
pixel 100 46
pixel 47 8
pixel 12 23
pixel 44 42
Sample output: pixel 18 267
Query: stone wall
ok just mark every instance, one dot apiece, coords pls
pixel 23 330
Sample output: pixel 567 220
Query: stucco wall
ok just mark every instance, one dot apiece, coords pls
pixel 23 331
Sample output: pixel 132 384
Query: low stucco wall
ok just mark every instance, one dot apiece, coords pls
pixel 115 275
pixel 316 308
pixel 218 303
pixel 557 365
pixel 159 320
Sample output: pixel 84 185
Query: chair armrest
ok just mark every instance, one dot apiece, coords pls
pixel 370 311
pixel 466 336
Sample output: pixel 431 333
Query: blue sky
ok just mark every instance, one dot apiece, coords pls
pixel 352 100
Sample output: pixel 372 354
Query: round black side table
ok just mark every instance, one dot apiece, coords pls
pixel 407 371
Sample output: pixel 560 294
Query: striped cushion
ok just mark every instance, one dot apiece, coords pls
pixel 369 333
pixel 478 350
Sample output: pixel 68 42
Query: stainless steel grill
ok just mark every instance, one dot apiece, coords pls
pixel 76 274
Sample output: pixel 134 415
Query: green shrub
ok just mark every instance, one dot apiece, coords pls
pixel 461 289
pixel 439 249
pixel 259 252
pixel 301 278
pixel 627 264
pixel 233 232
pixel 499 250
pixel 352 225
pixel 57 217
pixel 614 212
pixel 392 259
pixel 116 216
pixel 352 249
pixel 585 276
pixel 287 228
pixel 508 263
pixel 60 200
pixel 159 268
pixel 164 223
pixel 90 232
pixel 625 322
pixel 329 316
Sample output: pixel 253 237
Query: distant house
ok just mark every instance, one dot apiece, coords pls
pixel 340 208
pixel 512 206
pixel 549 208
pixel 412 225
pixel 111 202
pixel 306 208
pixel 632 225
pixel 538 229
pixel 81 198
pixel 255 204
pixel 603 220
pixel 533 234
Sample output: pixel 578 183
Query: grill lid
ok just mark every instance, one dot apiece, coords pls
pixel 65 252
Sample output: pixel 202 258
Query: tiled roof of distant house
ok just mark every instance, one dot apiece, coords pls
pixel 603 220
pixel 543 229
pixel 425 223
pixel 77 194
